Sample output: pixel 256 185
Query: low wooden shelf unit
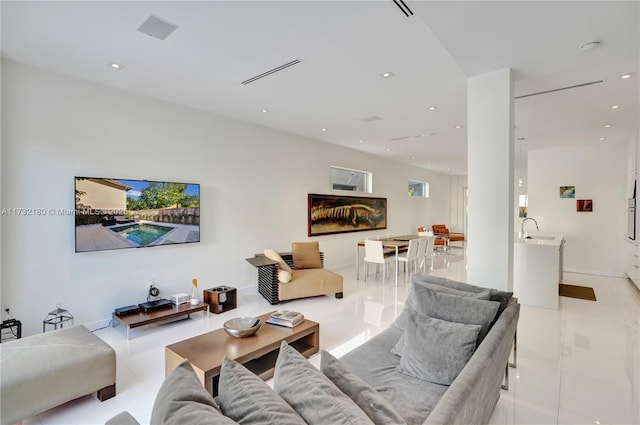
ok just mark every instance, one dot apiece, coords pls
pixel 141 318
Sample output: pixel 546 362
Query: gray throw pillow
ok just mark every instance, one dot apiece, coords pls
pixel 182 400
pixel 247 399
pixel 436 350
pixel 379 410
pixel 453 308
pixel 312 394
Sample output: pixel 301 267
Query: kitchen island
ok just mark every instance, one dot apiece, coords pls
pixel 537 269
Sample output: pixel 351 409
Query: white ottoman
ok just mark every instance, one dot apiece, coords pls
pixel 45 370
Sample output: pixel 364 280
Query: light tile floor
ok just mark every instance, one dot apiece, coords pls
pixel 577 365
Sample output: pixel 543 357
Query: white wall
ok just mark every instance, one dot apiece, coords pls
pixel 456 218
pixel 254 186
pixel 595 240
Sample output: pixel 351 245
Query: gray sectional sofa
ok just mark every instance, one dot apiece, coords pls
pixel 441 362
pixel 471 397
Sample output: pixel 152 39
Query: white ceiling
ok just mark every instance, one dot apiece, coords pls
pixel 345 46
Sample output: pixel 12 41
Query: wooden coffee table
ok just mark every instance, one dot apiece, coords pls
pixel 257 353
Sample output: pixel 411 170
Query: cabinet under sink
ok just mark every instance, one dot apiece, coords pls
pixel 537 270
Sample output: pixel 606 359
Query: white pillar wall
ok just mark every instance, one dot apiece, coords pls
pixel 490 165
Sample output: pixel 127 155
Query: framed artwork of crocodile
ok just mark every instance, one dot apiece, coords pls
pixel 329 214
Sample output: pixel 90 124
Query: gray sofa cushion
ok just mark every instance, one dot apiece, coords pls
pixel 481 295
pixel 369 400
pixel 452 308
pixel 436 350
pixel 247 399
pixel 122 418
pixel 312 394
pixel 373 362
pixel 182 400
pixel 502 297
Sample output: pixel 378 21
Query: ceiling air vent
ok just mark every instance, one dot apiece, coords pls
pixel 560 89
pixel 271 71
pixel 371 118
pixel 399 138
pixel 157 27
pixel 404 8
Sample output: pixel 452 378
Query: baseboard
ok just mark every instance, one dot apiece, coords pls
pixel 621 275
pixel 342 267
pixel 100 324
pixel 253 289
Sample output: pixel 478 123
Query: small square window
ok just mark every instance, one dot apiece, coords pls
pixel 419 189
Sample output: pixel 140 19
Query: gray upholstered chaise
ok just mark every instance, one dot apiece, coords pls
pixel 45 370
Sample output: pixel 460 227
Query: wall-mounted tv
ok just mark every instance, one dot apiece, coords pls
pixel 119 213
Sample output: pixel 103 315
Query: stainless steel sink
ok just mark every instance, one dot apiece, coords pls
pixel 543 238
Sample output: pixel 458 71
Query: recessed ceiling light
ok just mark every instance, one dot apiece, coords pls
pixel 115 65
pixel 386 74
pixel 615 106
pixel 324 129
pixel 458 127
pixel 433 108
pixel 625 76
pixel 361 141
pixel 388 150
pixel 601 139
pixel 265 110
pixel 607 125
pixel 413 157
pixel 592 45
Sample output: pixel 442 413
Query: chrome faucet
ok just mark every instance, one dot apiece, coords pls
pixel 524 235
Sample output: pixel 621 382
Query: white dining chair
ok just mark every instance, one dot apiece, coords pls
pixel 374 253
pixel 410 256
pixel 426 252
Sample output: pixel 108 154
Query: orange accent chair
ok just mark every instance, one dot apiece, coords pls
pixel 441 230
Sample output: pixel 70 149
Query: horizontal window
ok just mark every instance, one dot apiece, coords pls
pixel 351 180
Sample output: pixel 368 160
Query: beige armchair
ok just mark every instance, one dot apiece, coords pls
pixel 308 276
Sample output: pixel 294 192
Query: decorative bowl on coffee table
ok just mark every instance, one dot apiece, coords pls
pixel 242 327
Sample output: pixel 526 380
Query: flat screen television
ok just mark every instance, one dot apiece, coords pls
pixel 119 213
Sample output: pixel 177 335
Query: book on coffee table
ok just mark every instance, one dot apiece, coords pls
pixel 286 318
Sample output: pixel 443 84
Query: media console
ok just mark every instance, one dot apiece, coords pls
pixel 142 318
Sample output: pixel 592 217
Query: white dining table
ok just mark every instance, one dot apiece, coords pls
pixel 397 243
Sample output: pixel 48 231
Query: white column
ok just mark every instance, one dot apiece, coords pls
pixel 490 167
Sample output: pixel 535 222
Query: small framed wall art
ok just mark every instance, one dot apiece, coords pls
pixel 567 191
pixel 584 205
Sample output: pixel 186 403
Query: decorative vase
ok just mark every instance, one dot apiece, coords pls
pixel 194 293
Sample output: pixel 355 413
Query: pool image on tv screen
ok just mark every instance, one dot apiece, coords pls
pixel 119 213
